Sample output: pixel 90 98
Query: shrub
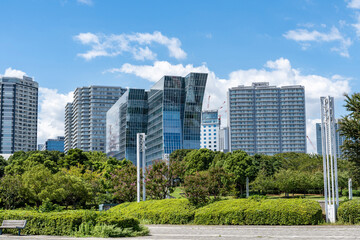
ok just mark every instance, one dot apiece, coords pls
pixel 349 212
pixel 260 212
pixel 67 223
pixel 167 211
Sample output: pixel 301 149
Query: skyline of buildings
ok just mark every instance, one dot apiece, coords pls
pixel 85 117
pixel 267 119
pixel 279 113
pixel 19 114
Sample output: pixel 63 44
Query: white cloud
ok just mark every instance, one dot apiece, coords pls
pixel 354 4
pixel 137 44
pixel 9 72
pixel 51 115
pixel 357 26
pixel 86 2
pixel 304 37
pixel 278 73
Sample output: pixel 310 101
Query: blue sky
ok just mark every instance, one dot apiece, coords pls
pixel 66 44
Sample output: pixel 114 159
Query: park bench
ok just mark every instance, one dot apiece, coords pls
pixel 15 224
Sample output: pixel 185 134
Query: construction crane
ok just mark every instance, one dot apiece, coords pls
pixel 311 143
pixel 208 105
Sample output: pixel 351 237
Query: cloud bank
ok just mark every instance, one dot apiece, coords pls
pixel 136 44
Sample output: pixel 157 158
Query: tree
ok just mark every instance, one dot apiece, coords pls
pixel 263 182
pixel 3 164
pixel 124 182
pixel 240 165
pixel 350 128
pixel 11 192
pixel 158 180
pixel 220 183
pixel 75 157
pixel 198 160
pixel 196 187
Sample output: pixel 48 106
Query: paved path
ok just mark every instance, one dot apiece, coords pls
pixel 230 232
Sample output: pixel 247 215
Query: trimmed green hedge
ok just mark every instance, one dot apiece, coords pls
pixel 263 212
pixel 167 211
pixel 65 223
pixel 349 212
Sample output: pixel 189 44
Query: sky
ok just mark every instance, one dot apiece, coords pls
pixel 65 44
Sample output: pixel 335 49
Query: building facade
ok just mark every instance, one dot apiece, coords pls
pixel 126 118
pixel 174 115
pixel 267 119
pixel 169 114
pixel 224 139
pixel 210 130
pixel 56 144
pixel 19 114
pixel 85 117
pixel 339 139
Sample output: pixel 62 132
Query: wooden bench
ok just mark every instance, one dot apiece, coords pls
pixel 15 224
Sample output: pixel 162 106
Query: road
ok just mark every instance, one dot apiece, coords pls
pixel 230 232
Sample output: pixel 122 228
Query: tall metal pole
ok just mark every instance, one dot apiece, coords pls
pixel 143 166
pixel 328 135
pixel 138 166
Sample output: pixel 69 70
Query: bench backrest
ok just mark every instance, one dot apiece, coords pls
pixel 14 223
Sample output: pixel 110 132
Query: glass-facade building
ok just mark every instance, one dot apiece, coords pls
pixel 210 130
pixel 56 144
pixel 174 115
pixel 126 118
pixel 267 119
pixel 19 114
pixel 169 113
pixel 85 117
pixel 338 138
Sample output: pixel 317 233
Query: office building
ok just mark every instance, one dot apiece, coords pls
pixel 267 119
pixel 339 139
pixel 210 130
pixel 169 113
pixel 40 146
pixel 174 115
pixel 126 118
pixel 56 144
pixel 19 114
pixel 85 117
pixel 224 140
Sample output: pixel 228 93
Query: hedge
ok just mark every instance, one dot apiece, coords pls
pixel 263 212
pixel 349 212
pixel 65 223
pixel 167 211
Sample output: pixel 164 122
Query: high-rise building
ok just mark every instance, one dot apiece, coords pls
pixel 19 113
pixel 169 113
pixel 85 117
pixel 126 118
pixel 267 119
pixel 174 115
pixel 56 144
pixel 224 139
pixel 210 130
pixel 338 137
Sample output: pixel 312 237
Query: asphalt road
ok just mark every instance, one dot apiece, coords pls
pixel 230 232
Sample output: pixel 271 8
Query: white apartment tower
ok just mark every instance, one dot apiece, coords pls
pixel 210 130
pixel 85 117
